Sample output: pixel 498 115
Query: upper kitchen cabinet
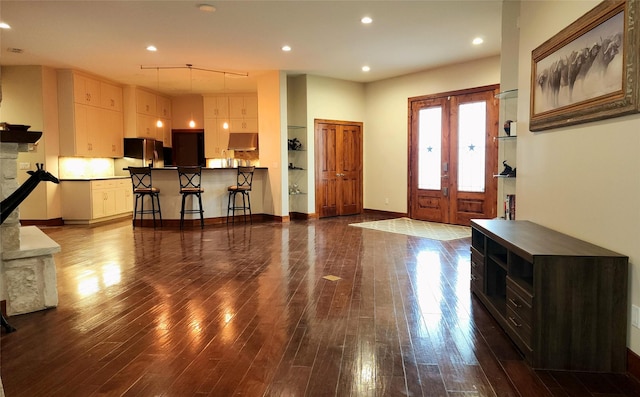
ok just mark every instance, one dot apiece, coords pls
pixel 86 90
pixel 216 107
pixel 111 96
pixel 90 116
pixel 163 107
pixel 216 137
pixel 243 113
pixel 147 115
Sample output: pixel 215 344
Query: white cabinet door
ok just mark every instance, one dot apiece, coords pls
pixel 112 134
pixel 211 141
pixel 163 107
pixel 145 102
pixel 86 90
pixel 244 125
pixel 243 112
pixel 111 96
pixel 216 107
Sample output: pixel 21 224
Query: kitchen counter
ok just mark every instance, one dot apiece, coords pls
pixel 95 178
pixel 215 197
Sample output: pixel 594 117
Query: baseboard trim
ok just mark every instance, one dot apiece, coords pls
pixel 386 213
pixel 633 364
pixel 302 216
pixel 42 222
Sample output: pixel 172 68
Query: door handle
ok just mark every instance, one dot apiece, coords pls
pixel 445 191
pixel 340 174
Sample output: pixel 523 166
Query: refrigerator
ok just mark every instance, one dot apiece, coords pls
pixel 140 152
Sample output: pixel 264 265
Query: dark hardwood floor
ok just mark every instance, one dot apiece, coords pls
pixel 245 311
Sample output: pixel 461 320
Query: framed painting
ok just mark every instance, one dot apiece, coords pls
pixel 589 70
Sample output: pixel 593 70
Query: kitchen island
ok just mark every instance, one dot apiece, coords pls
pixel 99 199
pixel 214 199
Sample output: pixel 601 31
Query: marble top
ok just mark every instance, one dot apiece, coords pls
pixel 33 242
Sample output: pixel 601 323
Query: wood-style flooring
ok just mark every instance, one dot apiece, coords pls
pixel 244 310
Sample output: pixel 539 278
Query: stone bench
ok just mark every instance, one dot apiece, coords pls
pixel 29 273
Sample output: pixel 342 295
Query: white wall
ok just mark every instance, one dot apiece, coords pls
pixel 386 125
pixel 582 180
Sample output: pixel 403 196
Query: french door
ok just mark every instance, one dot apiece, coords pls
pixel 453 156
pixel 338 158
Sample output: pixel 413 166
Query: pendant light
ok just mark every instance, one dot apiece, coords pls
pixel 192 123
pixel 159 122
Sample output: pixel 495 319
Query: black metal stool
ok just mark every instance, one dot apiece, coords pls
pixel 190 185
pixel 243 186
pixel 143 186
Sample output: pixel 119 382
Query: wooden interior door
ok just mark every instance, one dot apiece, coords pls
pixel 338 157
pixel 453 156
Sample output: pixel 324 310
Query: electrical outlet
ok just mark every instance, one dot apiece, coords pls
pixel 24 166
pixel 635 316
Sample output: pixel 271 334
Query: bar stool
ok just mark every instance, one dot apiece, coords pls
pixel 143 186
pixel 244 180
pixel 190 185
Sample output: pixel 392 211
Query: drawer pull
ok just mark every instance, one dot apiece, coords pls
pixel 473 278
pixel 514 302
pixel 514 322
pixel 473 264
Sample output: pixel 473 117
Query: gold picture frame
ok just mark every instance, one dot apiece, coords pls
pixel 589 70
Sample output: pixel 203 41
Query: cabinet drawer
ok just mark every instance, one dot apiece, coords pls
pixel 518 290
pixel 519 305
pixel 477 256
pixel 104 184
pixel 477 282
pixel 519 328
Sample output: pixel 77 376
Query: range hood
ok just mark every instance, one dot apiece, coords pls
pixel 243 141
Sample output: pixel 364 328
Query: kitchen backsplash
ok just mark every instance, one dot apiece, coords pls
pixel 84 168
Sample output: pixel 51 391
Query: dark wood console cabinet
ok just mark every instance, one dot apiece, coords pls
pixel 561 300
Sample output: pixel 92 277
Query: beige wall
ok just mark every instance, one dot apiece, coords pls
pixel 331 99
pixel 30 97
pixel 581 180
pixel 386 126
pixel 272 116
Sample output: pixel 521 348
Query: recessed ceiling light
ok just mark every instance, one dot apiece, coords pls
pixel 286 48
pixel 152 48
pixel 206 8
pixel 366 68
pixel 477 41
pixel 366 20
pixel 4 25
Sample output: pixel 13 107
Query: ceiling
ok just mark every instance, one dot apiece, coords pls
pixel 109 38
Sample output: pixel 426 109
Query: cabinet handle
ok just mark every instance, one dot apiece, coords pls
pixel 473 264
pixel 514 302
pixel 88 96
pixel 113 103
pixel 473 278
pixel 514 322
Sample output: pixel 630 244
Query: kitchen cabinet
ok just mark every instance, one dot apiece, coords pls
pixel 111 97
pixel 561 300
pixel 90 117
pixel 243 113
pixel 86 90
pixel 216 107
pixel 163 107
pixel 89 201
pixel 142 111
pixel 216 136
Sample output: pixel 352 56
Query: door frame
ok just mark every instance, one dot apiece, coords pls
pixel 491 186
